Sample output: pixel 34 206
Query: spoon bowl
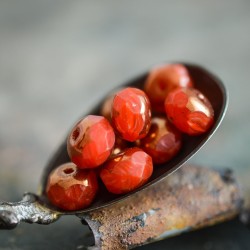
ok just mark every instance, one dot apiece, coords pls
pixel 204 81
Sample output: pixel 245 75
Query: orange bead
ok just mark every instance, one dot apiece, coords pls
pixel 70 188
pixel 189 110
pixel 131 114
pixel 91 142
pixel 120 145
pixel 162 80
pixel 127 171
pixel 106 107
pixel 162 142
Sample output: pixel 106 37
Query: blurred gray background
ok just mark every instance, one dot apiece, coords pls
pixel 57 58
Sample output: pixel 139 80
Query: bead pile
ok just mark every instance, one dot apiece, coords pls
pixel 137 130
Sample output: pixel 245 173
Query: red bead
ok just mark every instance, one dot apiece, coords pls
pixel 131 114
pixel 70 188
pixel 162 142
pixel 127 171
pixel 120 145
pixel 189 110
pixel 90 142
pixel 107 105
pixel 164 79
pixel 106 108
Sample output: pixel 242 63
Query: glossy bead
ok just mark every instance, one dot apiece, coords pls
pixel 90 142
pixel 120 145
pixel 162 80
pixel 131 114
pixel 70 188
pixel 189 110
pixel 106 107
pixel 162 142
pixel 127 171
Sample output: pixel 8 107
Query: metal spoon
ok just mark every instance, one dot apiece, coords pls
pixel 37 209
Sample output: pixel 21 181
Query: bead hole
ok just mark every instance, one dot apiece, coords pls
pixel 75 134
pixel 68 170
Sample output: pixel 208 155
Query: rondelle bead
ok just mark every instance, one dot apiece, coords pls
pixel 162 80
pixel 131 114
pixel 162 142
pixel 90 142
pixel 70 188
pixel 189 110
pixel 127 171
pixel 106 106
pixel 120 145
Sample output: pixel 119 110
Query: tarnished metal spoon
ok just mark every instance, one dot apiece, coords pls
pixel 37 209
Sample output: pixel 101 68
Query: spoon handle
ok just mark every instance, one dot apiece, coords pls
pixel 29 210
pixel 191 198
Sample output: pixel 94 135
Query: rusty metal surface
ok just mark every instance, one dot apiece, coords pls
pixel 191 198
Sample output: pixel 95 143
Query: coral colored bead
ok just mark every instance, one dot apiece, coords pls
pixel 164 79
pixel 90 142
pixel 70 188
pixel 127 171
pixel 120 145
pixel 107 105
pixel 131 114
pixel 162 142
pixel 189 110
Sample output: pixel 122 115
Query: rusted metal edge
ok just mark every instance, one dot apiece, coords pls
pixel 191 198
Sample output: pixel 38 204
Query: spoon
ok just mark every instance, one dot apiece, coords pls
pixel 37 209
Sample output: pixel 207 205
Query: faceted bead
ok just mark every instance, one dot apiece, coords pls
pixel 162 142
pixel 131 114
pixel 189 110
pixel 120 145
pixel 127 171
pixel 90 142
pixel 70 188
pixel 164 79
pixel 107 105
